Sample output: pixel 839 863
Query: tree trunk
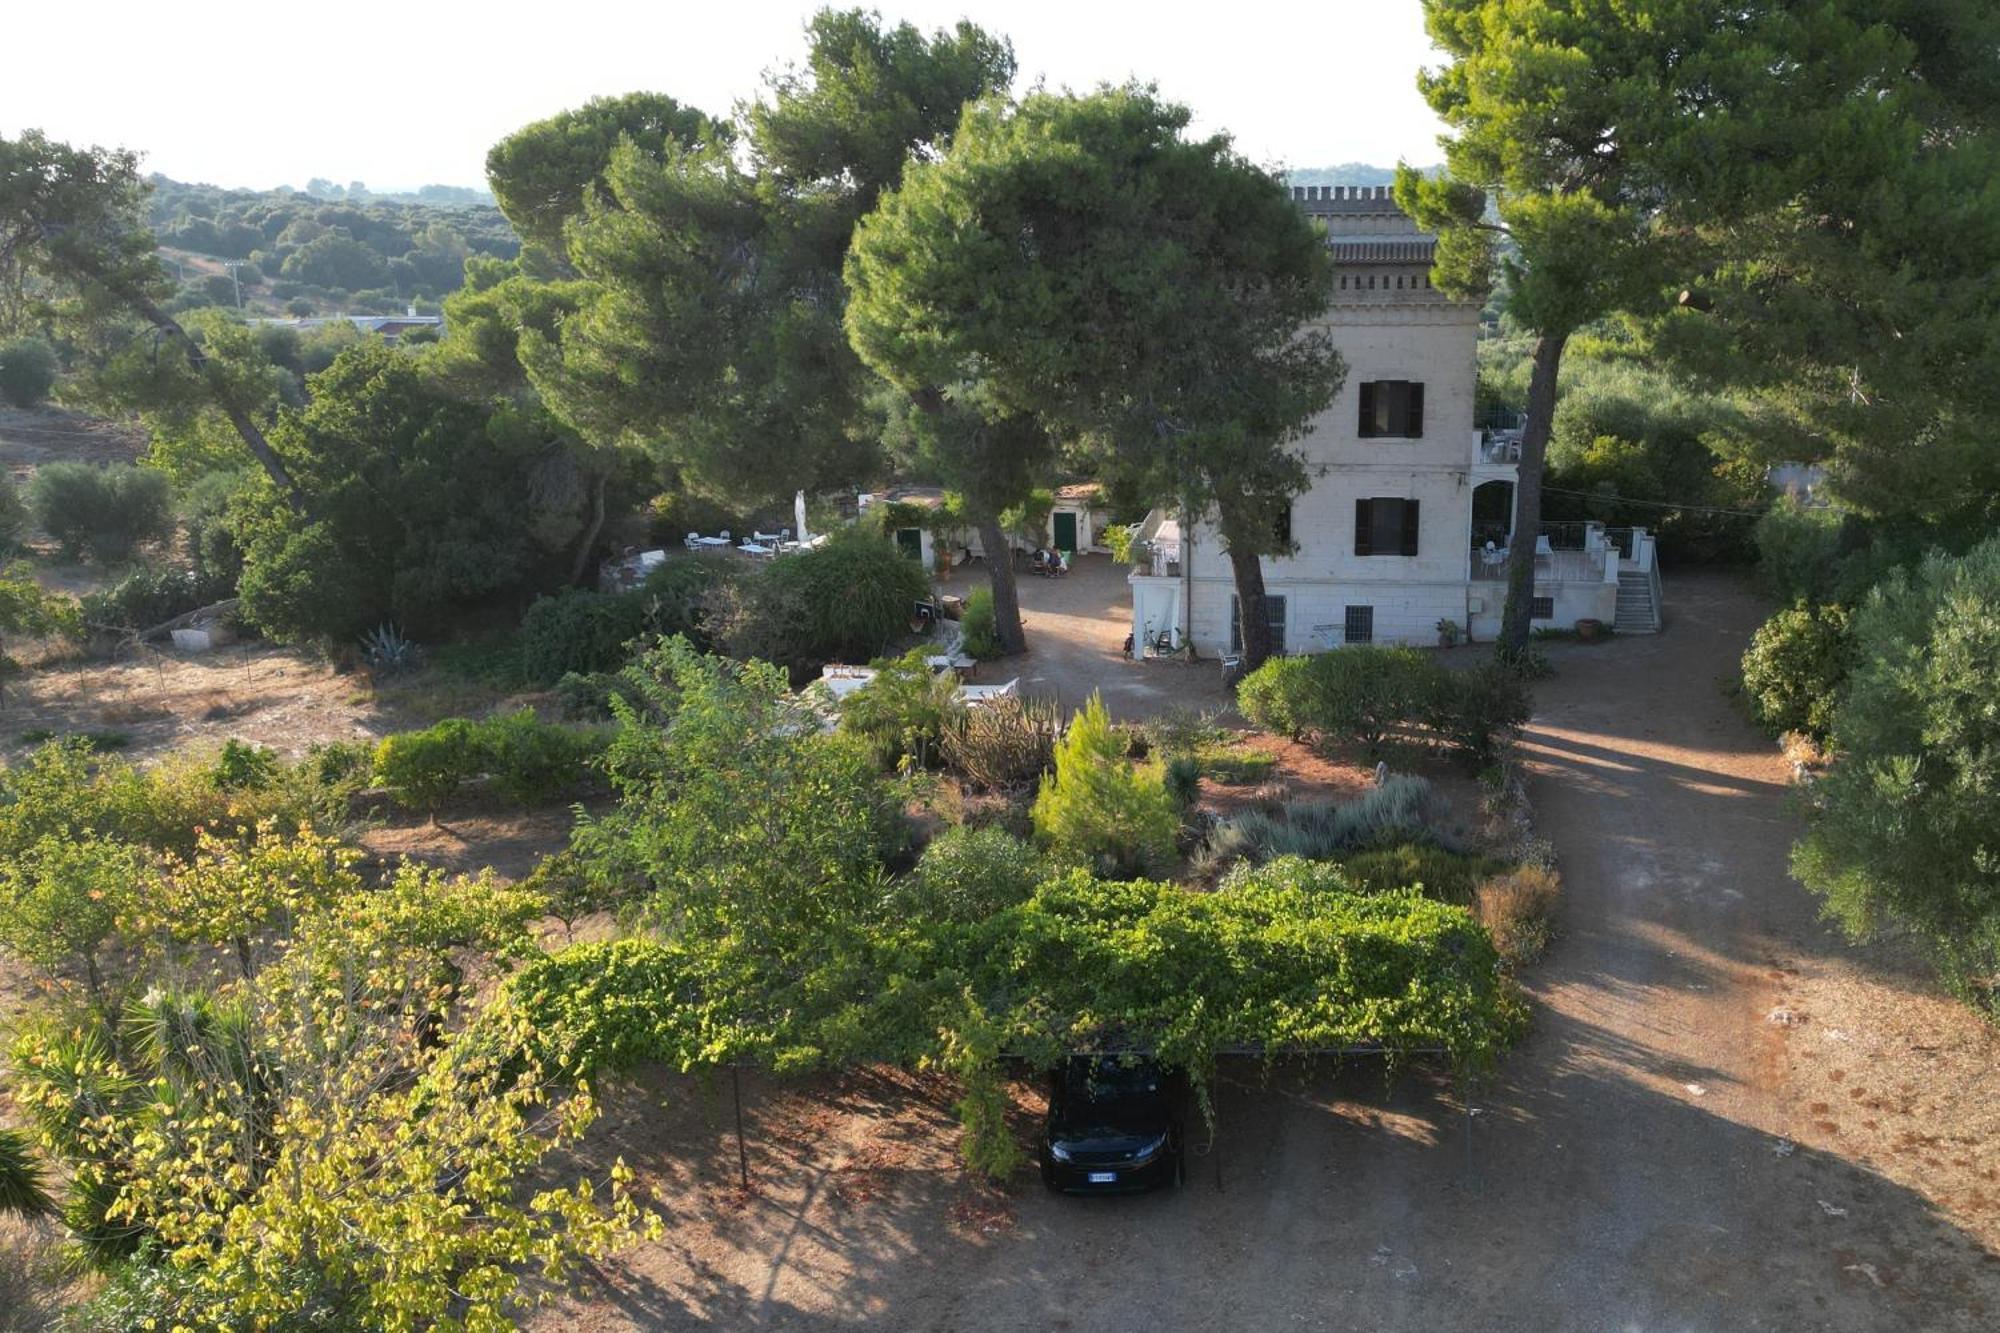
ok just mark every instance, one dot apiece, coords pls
pixel 243 961
pixel 1249 570
pixel 1528 494
pixel 253 436
pixel 1000 575
pixel 589 542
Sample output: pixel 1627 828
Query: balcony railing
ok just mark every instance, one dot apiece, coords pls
pixel 1500 446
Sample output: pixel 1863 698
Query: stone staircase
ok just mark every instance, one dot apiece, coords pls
pixel 1638 601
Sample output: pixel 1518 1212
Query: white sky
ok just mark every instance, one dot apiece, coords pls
pixel 404 94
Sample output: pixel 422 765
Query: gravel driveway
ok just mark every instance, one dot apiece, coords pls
pixel 1642 1162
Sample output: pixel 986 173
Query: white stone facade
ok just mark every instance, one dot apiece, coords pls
pixel 1361 572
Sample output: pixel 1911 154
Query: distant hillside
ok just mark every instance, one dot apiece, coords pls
pixel 354 253
pixel 438 196
pixel 1347 173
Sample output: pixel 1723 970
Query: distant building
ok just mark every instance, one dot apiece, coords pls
pixel 391 327
pixel 1411 511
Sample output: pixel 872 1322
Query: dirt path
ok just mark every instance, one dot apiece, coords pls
pixel 1659 1155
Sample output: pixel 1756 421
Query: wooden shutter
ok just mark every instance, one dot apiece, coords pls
pixel 1364 543
pixel 1414 428
pixel 1367 409
pixel 1409 527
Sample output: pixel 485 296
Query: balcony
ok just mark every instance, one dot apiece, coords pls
pixel 1498 447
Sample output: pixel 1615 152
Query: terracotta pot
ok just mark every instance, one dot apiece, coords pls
pixel 1590 630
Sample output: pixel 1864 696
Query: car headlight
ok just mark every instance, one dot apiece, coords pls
pixel 1150 1150
pixel 1059 1151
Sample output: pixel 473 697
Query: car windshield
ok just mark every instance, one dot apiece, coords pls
pixel 1110 1078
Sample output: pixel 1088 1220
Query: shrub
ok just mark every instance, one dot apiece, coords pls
pixel 1795 667
pixel 1800 550
pixel 1450 877
pixel 1471 710
pixel 979 639
pixel 1518 910
pixel 967 875
pixel 578 631
pixel 425 768
pixel 241 766
pixel 101 512
pixel 603 1006
pixel 1902 832
pixel 1182 777
pixel 13 516
pixel 1096 809
pixel 674 597
pixel 1182 730
pixel 844 601
pixel 903 711
pixel 147 597
pixel 587 698
pixel 1003 744
pixel 1402 809
pixel 1358 693
pixel 28 369
pixel 1236 765
pixel 532 762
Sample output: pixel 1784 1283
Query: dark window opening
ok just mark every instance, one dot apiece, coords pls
pixel 1274 616
pixel 1541 608
pixel 1392 409
pixel 1282 528
pixel 1385 525
pixel 1359 626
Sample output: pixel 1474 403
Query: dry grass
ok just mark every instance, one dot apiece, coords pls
pixel 1518 909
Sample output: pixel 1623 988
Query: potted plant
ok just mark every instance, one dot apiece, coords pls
pixel 1589 629
pixel 1449 633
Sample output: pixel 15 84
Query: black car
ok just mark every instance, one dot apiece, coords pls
pixel 1113 1126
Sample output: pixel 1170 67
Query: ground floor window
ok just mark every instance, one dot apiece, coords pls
pixel 1274 616
pixel 1359 626
pixel 1541 608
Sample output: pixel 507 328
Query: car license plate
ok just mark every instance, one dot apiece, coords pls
pixel 1103 1177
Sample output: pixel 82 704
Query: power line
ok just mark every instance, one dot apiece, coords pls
pixel 1656 504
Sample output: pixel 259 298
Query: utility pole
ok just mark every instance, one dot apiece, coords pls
pixel 232 265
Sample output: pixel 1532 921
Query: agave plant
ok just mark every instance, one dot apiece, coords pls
pixel 388 650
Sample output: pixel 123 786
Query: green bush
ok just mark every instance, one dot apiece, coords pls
pixel 13 516
pixel 675 597
pixel 241 766
pixel 147 597
pixel 28 369
pixel 1471 710
pixel 101 512
pixel 1357 693
pixel 903 710
pixel 1795 668
pixel 587 698
pixel 1799 550
pixel 1002 744
pixel 844 601
pixel 976 625
pixel 967 875
pixel 1236 765
pixel 1449 877
pixel 578 631
pixel 426 768
pixel 1903 824
pixel 1097 810
pixel 1182 776
pixel 532 762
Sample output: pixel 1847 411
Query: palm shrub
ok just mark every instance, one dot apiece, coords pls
pixel 903 710
pixel 1096 809
pixel 23 1185
pixel 101 512
pixel 1795 667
